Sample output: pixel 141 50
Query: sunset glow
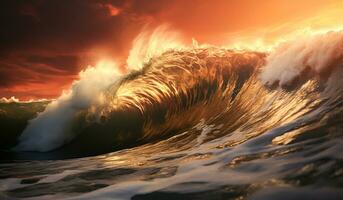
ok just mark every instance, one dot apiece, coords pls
pixel 171 99
pixel 41 64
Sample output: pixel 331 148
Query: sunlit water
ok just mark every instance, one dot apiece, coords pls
pixel 204 127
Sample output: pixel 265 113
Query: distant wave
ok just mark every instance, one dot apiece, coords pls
pixel 13 99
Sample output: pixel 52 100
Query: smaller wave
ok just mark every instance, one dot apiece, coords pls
pixel 9 100
pixel 13 99
pixel 52 128
pixel 294 62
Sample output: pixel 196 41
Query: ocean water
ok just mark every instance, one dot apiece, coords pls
pixel 201 123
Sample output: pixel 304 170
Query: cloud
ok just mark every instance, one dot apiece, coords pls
pixel 59 62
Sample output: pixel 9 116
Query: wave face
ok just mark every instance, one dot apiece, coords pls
pixel 205 123
pixel 198 84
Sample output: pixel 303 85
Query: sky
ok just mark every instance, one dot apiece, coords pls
pixel 44 44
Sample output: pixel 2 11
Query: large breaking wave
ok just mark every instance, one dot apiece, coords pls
pixel 186 122
pixel 169 91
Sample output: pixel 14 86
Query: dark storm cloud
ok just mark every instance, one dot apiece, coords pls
pixel 60 62
pixel 9 75
pixel 55 25
pixel 22 74
pixel 44 37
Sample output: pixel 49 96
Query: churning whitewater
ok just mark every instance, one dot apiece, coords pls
pixel 191 122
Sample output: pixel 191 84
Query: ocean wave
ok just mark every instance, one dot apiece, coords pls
pixel 198 122
pixel 176 88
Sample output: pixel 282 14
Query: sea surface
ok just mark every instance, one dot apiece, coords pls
pixel 192 124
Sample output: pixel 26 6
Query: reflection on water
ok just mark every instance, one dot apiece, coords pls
pixel 234 139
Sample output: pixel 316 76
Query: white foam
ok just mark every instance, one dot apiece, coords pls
pixel 9 100
pixel 149 44
pixel 56 177
pixel 290 59
pixel 52 128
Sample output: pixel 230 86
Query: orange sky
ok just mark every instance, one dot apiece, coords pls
pixel 46 43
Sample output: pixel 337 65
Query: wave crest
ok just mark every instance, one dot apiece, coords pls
pixel 313 56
